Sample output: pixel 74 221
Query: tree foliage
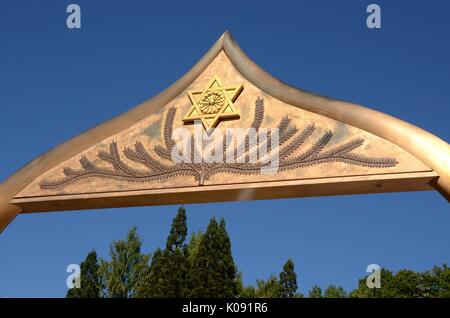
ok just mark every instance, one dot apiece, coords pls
pixel 193 245
pixel 333 291
pixel 204 267
pixel 288 280
pixel 315 292
pixel 284 286
pixel 408 284
pixel 123 274
pixel 90 283
pixel 269 288
pixel 169 268
pixel 213 271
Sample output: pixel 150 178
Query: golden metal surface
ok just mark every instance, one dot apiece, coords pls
pixel 233 192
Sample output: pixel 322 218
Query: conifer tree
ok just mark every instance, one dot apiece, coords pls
pixel 168 275
pixel 284 286
pixel 178 232
pixel 175 264
pixel 90 284
pixel 244 291
pixel 288 280
pixel 152 284
pixel 214 273
pixel 193 246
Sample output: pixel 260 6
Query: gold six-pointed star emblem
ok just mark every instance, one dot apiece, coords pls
pixel 212 104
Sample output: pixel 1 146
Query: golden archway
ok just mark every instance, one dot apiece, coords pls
pixel 358 150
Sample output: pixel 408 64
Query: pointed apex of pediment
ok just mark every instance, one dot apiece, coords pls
pixel 226 36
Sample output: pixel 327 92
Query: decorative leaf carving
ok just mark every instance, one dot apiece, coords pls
pixel 162 167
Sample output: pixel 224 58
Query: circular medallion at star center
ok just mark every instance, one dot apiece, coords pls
pixel 212 102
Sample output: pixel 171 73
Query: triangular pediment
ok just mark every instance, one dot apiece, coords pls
pixel 118 162
pixel 322 150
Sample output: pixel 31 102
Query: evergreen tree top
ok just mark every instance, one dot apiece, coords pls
pixel 178 231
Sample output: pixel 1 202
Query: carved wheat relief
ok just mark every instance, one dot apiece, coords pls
pixel 160 166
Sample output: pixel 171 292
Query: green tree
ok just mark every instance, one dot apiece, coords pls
pixel 268 289
pixel 152 284
pixel 315 292
pixel 169 268
pixel 193 245
pixel 128 267
pixel 248 292
pixel 175 260
pixel 424 286
pixel 244 292
pixel 90 283
pixel 400 285
pixel 333 291
pixel 213 272
pixel 437 281
pixel 284 286
pixel 288 280
pixel 178 232
pixel 406 284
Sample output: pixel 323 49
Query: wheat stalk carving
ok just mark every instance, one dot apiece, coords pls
pixel 161 166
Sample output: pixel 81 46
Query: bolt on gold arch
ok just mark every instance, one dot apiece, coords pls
pixel 327 147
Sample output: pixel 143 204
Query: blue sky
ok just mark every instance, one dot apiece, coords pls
pixel 56 83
